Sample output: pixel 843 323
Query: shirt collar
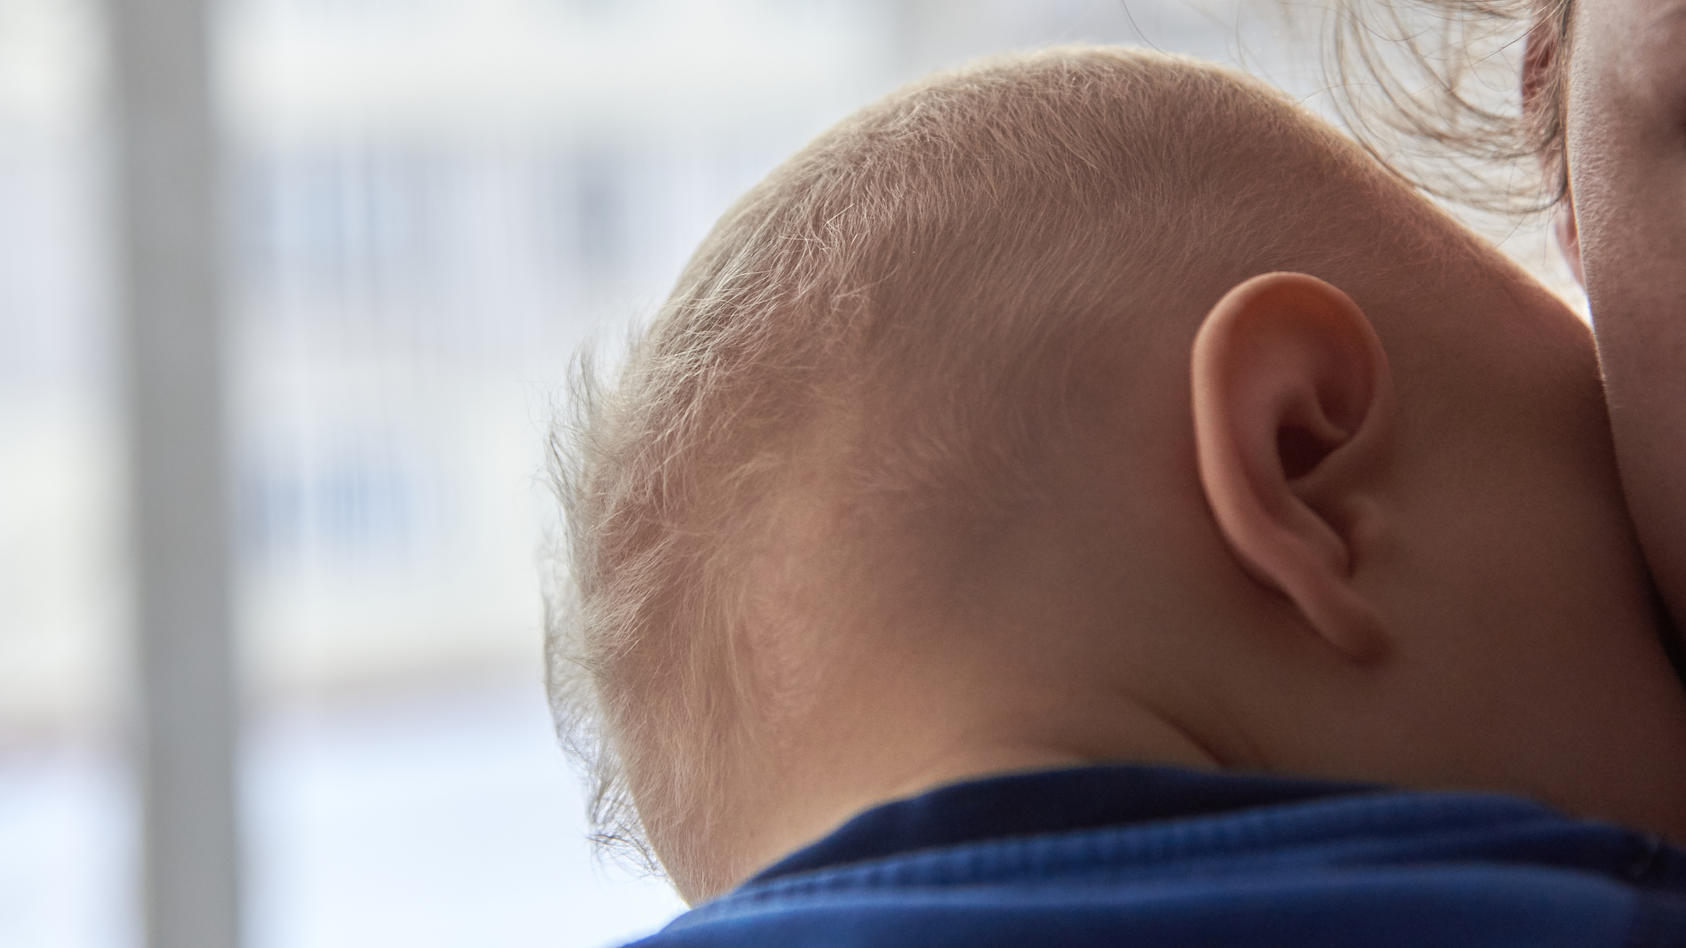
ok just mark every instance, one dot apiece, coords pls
pixel 1052 801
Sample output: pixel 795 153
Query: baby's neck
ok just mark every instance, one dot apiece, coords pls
pixel 1005 734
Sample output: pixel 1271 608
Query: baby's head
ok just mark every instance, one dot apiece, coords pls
pixel 1096 405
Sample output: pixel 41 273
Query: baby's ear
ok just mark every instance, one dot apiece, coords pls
pixel 1293 411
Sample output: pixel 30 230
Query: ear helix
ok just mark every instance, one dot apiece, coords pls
pixel 1291 406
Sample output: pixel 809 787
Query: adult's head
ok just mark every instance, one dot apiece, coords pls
pixel 1615 71
pixel 1599 112
pixel 1098 405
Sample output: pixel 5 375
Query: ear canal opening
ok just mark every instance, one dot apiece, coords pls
pixel 1300 451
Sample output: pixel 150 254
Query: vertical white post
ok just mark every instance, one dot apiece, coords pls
pixel 167 232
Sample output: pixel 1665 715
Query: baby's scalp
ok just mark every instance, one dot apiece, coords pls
pixel 889 333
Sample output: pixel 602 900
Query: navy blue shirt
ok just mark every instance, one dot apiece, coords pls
pixel 1134 855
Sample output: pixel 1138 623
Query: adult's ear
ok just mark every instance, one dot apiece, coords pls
pixel 1293 414
pixel 1542 93
pixel 1539 65
pixel 1568 236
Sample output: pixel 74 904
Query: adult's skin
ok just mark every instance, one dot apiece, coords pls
pixel 1624 231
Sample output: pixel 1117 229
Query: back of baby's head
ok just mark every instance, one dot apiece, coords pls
pixel 875 353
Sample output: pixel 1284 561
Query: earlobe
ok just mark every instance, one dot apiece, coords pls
pixel 1292 402
pixel 1568 237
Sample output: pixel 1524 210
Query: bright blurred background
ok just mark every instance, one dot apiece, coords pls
pixel 425 206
